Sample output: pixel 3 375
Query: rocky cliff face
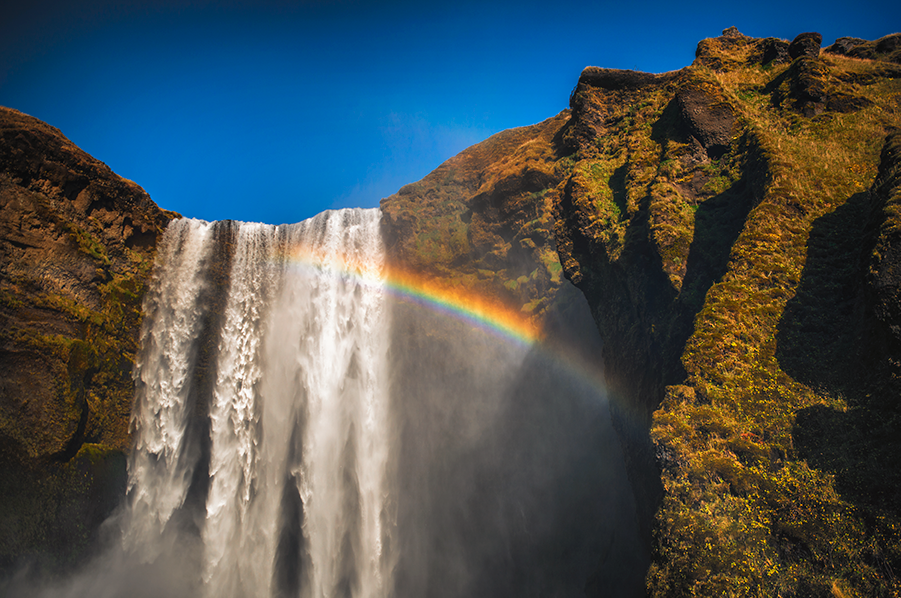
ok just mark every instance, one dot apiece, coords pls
pixel 76 248
pixel 721 220
pixel 483 220
pixel 732 226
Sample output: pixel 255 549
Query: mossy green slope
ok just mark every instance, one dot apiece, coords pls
pixel 720 219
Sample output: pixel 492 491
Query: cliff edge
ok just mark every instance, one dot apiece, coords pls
pixel 734 225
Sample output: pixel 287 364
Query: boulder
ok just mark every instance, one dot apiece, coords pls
pixel 888 44
pixel 805 44
pixel 844 45
pixel 617 79
pixel 772 50
pixel 708 118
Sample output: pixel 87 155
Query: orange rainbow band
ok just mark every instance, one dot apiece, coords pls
pixel 481 311
pixel 463 304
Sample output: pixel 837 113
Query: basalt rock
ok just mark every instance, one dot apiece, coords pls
pixel 734 292
pixel 733 49
pixel 482 220
pixel 885 267
pixel 772 51
pixel 888 44
pixel 617 79
pixel 805 44
pixel 808 85
pixel 709 117
pixel 886 48
pixel 719 52
pixel 844 45
pixel 733 226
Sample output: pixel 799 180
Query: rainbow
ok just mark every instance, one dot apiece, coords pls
pixel 465 305
pixel 488 314
pixel 462 304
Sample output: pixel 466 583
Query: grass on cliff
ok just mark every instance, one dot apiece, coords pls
pixel 482 221
pixel 746 512
pixel 100 363
pixel 763 250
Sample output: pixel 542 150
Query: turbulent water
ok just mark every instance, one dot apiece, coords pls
pixel 301 432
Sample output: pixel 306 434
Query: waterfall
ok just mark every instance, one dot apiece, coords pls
pixel 297 441
pixel 301 430
pixel 162 466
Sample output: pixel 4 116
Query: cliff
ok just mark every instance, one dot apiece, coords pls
pixel 733 226
pixel 483 220
pixel 76 248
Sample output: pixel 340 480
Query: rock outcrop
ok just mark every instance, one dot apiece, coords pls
pixel 76 248
pixel 482 221
pixel 719 222
pixel 886 48
pixel 733 227
pixel 885 266
pixel 805 44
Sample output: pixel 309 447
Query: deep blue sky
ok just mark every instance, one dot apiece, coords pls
pixel 274 111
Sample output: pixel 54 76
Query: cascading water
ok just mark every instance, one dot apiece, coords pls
pixel 161 466
pixel 301 432
pixel 297 439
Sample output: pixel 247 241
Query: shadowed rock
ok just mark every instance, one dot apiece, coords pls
pixel 617 79
pixel 844 45
pixel 76 243
pixel 772 50
pixel 709 119
pixel 887 48
pixel 805 44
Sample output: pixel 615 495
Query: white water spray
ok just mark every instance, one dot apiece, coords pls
pixel 161 467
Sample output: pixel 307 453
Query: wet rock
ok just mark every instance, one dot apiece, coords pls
pixel 76 244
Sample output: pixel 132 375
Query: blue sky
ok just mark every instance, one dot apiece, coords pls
pixel 274 111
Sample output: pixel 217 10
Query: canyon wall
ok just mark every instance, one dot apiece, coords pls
pixel 732 226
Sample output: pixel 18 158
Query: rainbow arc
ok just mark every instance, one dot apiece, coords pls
pixel 457 302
